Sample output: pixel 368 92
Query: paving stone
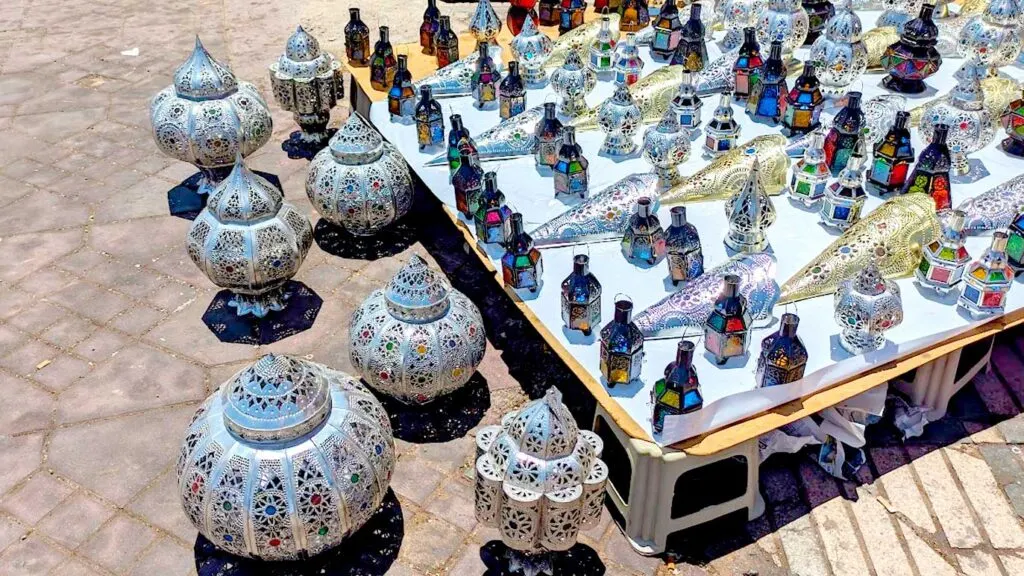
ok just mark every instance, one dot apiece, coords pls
pixel 91 301
pixel 75 520
pixel 36 497
pixel 995 396
pixel 22 455
pixel 100 346
pixel 30 557
pixel 159 505
pixel 802 548
pixel 455 503
pixel 928 561
pixel 429 543
pixel 137 320
pixel 1012 430
pixel 1006 466
pixel 49 210
pixel 413 480
pixel 616 548
pixel 118 543
pixel 468 562
pixel 38 317
pixel 1015 493
pixel 68 331
pixel 903 496
pixel 46 281
pixel 61 372
pixel 947 501
pixel 998 519
pixel 978 563
pixel 880 540
pixel 75 568
pixel 31 411
pixel 24 254
pixel 165 557
pixel 1013 562
pixel 10 531
pixel 839 539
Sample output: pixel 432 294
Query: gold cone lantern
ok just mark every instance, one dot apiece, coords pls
pixel 891 234
pixel 998 90
pixel 726 175
pixel 579 40
pixel 876 41
pixel 651 94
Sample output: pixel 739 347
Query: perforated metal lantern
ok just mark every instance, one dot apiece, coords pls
pixel 207 117
pixel 844 198
pixel 619 117
pixel 539 478
pixel 532 48
pixel 627 63
pixel 359 182
pixel 249 241
pixel 572 82
pixel 841 57
pixel 521 264
pixel 727 328
pixel 737 15
pixel 683 250
pixel 644 238
pixel 722 132
pixel 750 214
pixel 994 35
pixel 307 82
pixel 785 21
pixel 679 391
pixel 602 49
pixel 417 338
pixel 914 57
pixel 666 146
pixel 893 156
pixel 285 460
pixel 783 356
pixel 810 174
pixel 581 297
pixel 865 307
pixel 964 112
pixel 622 347
pixel 944 260
pixel 987 280
pixel 484 25
pixel 686 104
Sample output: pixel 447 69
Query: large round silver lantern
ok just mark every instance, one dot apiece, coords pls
pixel 307 82
pixel 785 21
pixel 207 117
pixel 840 55
pixel 249 241
pixel 359 182
pixel 285 460
pixel 539 480
pixel 418 338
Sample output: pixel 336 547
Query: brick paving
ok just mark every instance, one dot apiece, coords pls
pixel 103 354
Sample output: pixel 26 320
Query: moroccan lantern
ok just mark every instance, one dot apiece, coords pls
pixel 722 132
pixel 784 21
pixel 602 49
pixel 747 69
pixel 511 93
pixel 679 391
pixel 944 260
pixel 644 238
pixel 468 182
pixel 572 170
pixel 357 40
pixel 402 95
pixel 844 199
pixel 914 56
pixel 750 214
pixel 666 146
pixel 572 82
pixel 549 12
pixel 893 156
pixel 633 15
pixel 532 48
pixel 1015 243
pixel 521 265
pixel 485 78
pixel 931 173
pixel 865 307
pixel 485 25
pixel 622 347
pixel 620 119
pixel 993 37
pixel 810 174
pixel 840 56
pixel 686 104
pixel 736 17
pixel 964 112
pixel 683 250
pixel 627 63
pixel 492 215
pixel 581 297
pixel 667 30
pixel 692 52
pixel 429 120
pixel 383 63
pixel 844 134
pixel 428 29
pixel 783 356
pixel 727 329
pixel 766 102
pixel 803 104
pixel 1012 121
pixel 987 280
pixel 446 43
pixel 549 137
pixel 818 14
pixel 459 140
pixel 570 16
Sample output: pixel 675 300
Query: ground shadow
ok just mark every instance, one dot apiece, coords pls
pixel 339 242
pixel 368 552
pixel 299 315
pixel 446 418
pixel 298 149
pixel 580 560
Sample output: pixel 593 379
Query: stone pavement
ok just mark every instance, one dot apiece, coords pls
pixel 103 354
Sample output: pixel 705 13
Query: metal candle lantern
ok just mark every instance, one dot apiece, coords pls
pixel 402 96
pixel 383 63
pixel 667 30
pixel 429 120
pixel 666 146
pixel 532 48
pixel 357 40
pixel 818 14
pixel 736 17
pixel 865 307
pixel 803 104
pixel 686 104
pixel 622 347
pixel 722 131
pixel 459 141
pixel 747 69
pixel 931 173
pixel 896 13
pixel 417 338
pixel 993 37
pixel 1012 121
pixel 893 156
pixel 683 251
pixel 783 357
pixel 785 21
pixel 644 238
pixel 307 82
pixel 285 460
pixel 914 57
pixel 485 78
pixel 428 29
pixel 571 15
pixel 692 52
pixel 521 265
pixel 484 24
pixel 843 135
pixel 965 113
pixel 249 241
pixel 572 169
pixel 766 101
pixel 511 93
pixel 207 118
pixel 492 215
pixel 679 391
pixel 844 199
pixel 572 82
pixel 634 15
pixel 810 174
pixel 549 137
pixel 549 12
pixel 581 297
pixel 446 43
pixel 468 182
pixel 987 280
pixel 943 261
pixel 627 62
pixel 727 329
pixel 750 214
pixel 1015 243
pixel 602 49
pixel 840 55
pixel 619 117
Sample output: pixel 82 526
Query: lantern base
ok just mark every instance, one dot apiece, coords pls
pixel 904 85
pixel 618 146
pixel 572 108
pixel 966 170
pixel 534 77
pixel 304 145
pixel 224 321
pixel 744 246
pixel 1013 147
pixel 668 177
pixel 857 342
pixel 942 290
pixel 259 305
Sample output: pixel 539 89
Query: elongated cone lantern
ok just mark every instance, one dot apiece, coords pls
pixel 726 175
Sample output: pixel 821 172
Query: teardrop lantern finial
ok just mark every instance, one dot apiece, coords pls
pixel 302 46
pixel 418 293
pixel 356 142
pixel 201 77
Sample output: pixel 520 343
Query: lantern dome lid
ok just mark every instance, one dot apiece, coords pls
pixel 277 399
pixel 356 142
pixel 203 78
pixel 302 46
pixel 244 197
pixel 418 293
pixel 845 25
pixel 870 281
pixel 544 428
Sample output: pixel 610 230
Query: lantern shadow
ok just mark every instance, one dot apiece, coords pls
pixel 627 390
pixel 580 560
pixel 579 338
pixel 184 200
pixel 839 353
pixel 446 418
pixel 801 206
pixel 339 242
pixel 949 299
pixel 299 315
pixel 620 158
pixel 734 363
pixel 298 149
pixel 368 552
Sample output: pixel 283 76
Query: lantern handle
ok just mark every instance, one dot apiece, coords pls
pixel 624 296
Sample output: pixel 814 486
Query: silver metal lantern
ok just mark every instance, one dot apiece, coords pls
pixel 865 307
pixel 485 25
pixel 249 241
pixel 307 82
pixel 418 338
pixel 540 480
pixel 737 15
pixel 840 56
pixel 359 182
pixel 532 48
pixel 993 36
pixel 572 82
pixel 666 146
pixel 207 117
pixel 750 214
pixel 285 460
pixel 964 111
pixel 620 119
pixel 785 21
pixel 896 13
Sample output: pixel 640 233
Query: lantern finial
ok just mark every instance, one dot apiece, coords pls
pixel 203 78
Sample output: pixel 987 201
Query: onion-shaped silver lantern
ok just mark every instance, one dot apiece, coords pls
pixel 666 146
pixel 785 21
pixel 993 36
pixel 285 460
pixel 207 117
pixel 359 182
pixel 964 111
pixel 532 48
pixel 896 13
pixel 620 119
pixel 840 56
pixel 572 82
pixel 307 82
pixel 737 15
pixel 865 307
pixel 539 481
pixel 250 241
pixel 418 338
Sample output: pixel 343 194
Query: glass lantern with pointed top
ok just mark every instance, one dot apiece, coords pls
pixel 627 63
pixel 866 306
pixel 249 241
pixel 679 391
pixel 750 213
pixel 810 174
pixel 818 14
pixel 964 112
pixel 207 117
pixel 620 119
pixel 727 329
pixel 581 297
pixel 844 134
pixel 844 198
pixel 428 29
pixel 767 97
pixel 692 51
pixel 402 95
pixel 931 173
pixel 722 132
pixel 666 146
pixel 521 264
pixel 667 30
pixel 994 36
pixel 987 280
pixel 644 238
pixel 783 356
pixel 736 16
pixel 622 347
pixel 634 15
pixel 683 250
pixel 359 182
pixel 570 16
pixel 484 24
pixel 1015 243
pixel 803 103
pixel 486 77
pixel 549 12
pixel 491 218
pixel 914 57
pixel 784 21
pixel 549 137
pixel 747 68
pixel 357 40
pixel 572 82
pixel 841 57
pixel 1012 121
pixel 532 48
pixel 383 63
pixel 686 104
pixel 572 170
pixel 893 156
pixel 446 42
pixel 429 120
pixel 602 49
pixel 511 93
pixel 944 260
pixel 467 182
pixel 459 141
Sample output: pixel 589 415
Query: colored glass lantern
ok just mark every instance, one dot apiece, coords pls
pixel 892 158
pixel 931 173
pixel 964 111
pixel 750 213
pixel 840 55
pixel 1015 243
pixel 944 260
pixel 666 146
pixel 532 48
pixel 736 16
pixel 843 135
pixel 667 30
pixel 549 137
pixel 633 15
pixel 357 40
pixel 429 120
pixel 727 329
pixel 571 15
pixel 692 52
pixel 619 117
pixel 783 357
pixel 679 391
pixel 468 182
pixel 722 132
pixel 402 96
pixel 914 56
pixel 687 104
pixel 865 307
pixel 446 43
pixel 521 265
pixel 581 297
pixel 987 280
pixel 572 82
pixel 492 215
pixel 766 101
pixel 1012 121
pixel 993 37
pixel 644 238
pixel 622 347
pixel 549 12
pixel 818 14
pixel 511 93
pixel 803 104
pixel 428 29
pixel 519 11
pixel 602 49
pixel 784 21
pixel 572 170
pixel 747 69
pixel 383 63
pixel 810 174
pixel 683 250
pixel 459 140
pixel 844 199
pixel 485 78
pixel 627 62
